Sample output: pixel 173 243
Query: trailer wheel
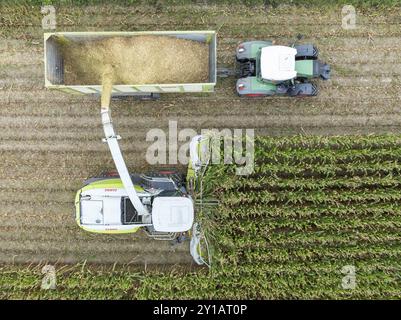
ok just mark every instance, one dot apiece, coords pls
pixel 151 96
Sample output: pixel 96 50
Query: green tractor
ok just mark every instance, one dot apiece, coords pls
pixel 266 69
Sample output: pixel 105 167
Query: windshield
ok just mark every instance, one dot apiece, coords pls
pixel 129 215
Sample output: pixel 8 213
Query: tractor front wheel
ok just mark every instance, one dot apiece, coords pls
pixel 303 90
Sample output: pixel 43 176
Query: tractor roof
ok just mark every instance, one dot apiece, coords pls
pixel 277 63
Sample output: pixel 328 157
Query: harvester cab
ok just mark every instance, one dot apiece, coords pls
pixel 266 69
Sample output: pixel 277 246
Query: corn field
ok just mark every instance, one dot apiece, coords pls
pixel 312 207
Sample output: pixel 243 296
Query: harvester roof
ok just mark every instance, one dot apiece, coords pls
pixel 172 214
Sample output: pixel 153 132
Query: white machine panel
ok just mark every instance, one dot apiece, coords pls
pixel 277 63
pixel 172 214
pixel 93 212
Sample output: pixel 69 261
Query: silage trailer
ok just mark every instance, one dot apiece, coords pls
pixel 54 64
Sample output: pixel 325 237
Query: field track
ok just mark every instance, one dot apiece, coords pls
pixel 51 141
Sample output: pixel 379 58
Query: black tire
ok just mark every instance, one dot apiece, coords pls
pixel 315 92
pixel 306 52
pixel 241 60
pixel 303 90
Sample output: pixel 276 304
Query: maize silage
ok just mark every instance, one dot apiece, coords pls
pixel 136 60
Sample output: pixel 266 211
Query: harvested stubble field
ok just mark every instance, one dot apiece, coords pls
pixel 51 141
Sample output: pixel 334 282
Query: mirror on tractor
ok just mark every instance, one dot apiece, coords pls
pixel 298 37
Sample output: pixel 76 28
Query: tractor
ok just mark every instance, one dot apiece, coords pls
pixel 265 69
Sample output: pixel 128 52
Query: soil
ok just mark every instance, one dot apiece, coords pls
pixel 51 141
